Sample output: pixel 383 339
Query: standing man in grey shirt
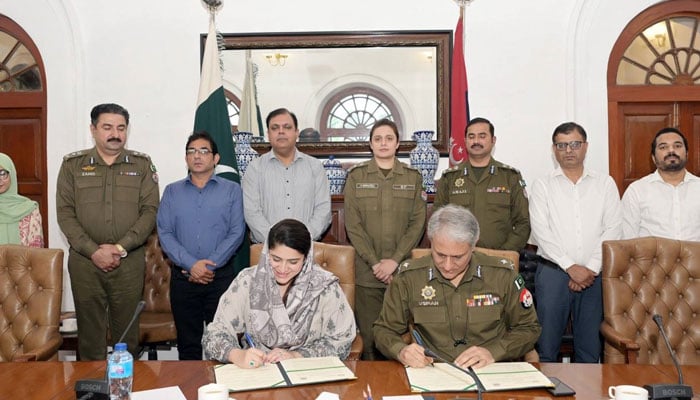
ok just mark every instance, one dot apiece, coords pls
pixel 285 183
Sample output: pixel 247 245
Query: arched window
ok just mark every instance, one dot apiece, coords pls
pixel 349 114
pixel 19 71
pixel 233 104
pixel 665 53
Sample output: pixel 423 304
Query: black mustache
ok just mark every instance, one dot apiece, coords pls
pixel 477 145
pixel 114 139
pixel 671 155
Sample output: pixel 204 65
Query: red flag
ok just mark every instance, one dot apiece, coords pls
pixel 459 113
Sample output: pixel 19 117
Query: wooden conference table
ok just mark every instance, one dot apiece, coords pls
pixel 56 380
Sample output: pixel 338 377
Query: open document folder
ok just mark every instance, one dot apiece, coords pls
pixel 292 372
pixel 443 377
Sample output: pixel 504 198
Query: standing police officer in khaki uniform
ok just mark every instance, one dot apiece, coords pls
pixel 106 203
pixel 467 306
pixel 493 191
pixel 384 219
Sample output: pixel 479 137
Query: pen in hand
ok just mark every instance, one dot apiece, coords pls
pixel 419 340
pixel 249 340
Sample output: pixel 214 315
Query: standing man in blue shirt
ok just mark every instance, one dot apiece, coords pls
pixel 200 226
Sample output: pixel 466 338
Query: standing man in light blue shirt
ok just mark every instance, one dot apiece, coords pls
pixel 200 227
pixel 285 183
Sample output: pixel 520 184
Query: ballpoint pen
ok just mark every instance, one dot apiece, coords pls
pixel 419 340
pixel 249 340
pixel 368 394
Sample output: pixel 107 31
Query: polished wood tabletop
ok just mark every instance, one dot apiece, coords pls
pixel 56 380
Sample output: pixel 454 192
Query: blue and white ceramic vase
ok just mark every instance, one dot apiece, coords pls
pixel 336 175
pixel 244 153
pixel 425 158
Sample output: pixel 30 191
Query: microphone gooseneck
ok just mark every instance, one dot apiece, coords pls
pixel 137 312
pixel 469 371
pixel 98 389
pixel 659 323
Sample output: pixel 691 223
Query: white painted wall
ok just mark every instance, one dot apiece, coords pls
pixel 531 66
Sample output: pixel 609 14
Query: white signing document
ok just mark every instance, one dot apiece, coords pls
pixel 292 372
pixel 239 379
pixel 301 371
pixel 443 377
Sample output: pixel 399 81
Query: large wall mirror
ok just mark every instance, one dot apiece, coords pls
pixel 339 84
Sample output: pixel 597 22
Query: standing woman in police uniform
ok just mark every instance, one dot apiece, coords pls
pixel 384 219
pixel 106 203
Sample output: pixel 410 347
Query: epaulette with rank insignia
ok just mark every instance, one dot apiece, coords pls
pixel 139 154
pixel 74 154
pixel 506 166
pixel 404 266
pixel 451 169
pixel 417 263
pixel 409 166
pixel 361 164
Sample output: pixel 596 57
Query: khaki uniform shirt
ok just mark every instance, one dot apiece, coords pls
pixel 497 199
pixel 489 308
pixel 384 216
pixel 98 203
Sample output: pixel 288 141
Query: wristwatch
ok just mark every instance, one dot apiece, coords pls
pixel 122 250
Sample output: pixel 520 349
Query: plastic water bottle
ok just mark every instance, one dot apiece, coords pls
pixel 120 372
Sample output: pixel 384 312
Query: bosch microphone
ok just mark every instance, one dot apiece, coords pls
pixel 98 389
pixel 662 391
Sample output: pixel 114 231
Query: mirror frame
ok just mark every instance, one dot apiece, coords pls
pixel 440 39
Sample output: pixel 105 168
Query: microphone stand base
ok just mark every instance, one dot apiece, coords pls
pixel 663 391
pixel 93 389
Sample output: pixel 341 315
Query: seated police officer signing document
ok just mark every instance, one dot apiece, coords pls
pixel 467 306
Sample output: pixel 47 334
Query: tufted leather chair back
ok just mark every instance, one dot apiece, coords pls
pixel 31 286
pixel 338 259
pixel 646 276
pixel 156 322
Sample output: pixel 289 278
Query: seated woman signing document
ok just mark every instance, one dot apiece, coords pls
pixel 286 307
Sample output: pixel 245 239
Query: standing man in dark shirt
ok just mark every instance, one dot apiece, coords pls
pixel 493 191
pixel 106 204
pixel 200 226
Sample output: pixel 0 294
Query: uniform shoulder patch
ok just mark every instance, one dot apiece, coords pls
pixel 75 154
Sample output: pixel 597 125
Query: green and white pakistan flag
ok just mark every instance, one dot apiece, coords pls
pixel 212 117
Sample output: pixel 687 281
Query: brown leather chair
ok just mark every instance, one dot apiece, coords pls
pixel 340 260
pixel 156 324
pixel 31 287
pixel 510 255
pixel 646 276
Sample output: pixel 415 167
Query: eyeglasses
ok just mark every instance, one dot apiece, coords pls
pixel 575 145
pixel 4 174
pixel 203 151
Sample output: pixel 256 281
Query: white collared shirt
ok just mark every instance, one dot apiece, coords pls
pixel 652 207
pixel 571 220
